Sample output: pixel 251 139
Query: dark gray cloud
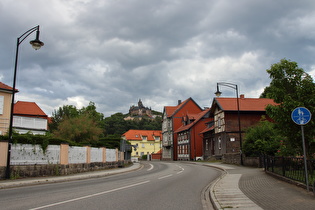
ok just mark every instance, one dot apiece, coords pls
pixel 115 52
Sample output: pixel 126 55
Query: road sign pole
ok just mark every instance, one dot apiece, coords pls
pixel 302 116
pixel 305 162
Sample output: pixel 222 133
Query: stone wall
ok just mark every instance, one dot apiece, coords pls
pixel 235 158
pixel 24 171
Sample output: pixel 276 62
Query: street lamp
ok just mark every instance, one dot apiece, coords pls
pixel 36 44
pixel 218 93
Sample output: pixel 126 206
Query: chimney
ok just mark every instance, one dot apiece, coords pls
pixel 179 102
pixel 242 96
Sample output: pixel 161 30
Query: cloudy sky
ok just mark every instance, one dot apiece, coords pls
pixel 115 52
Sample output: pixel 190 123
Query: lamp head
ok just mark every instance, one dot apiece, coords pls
pixel 36 43
pixel 218 93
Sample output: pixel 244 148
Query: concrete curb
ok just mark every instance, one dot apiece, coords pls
pixel 48 180
pixel 210 191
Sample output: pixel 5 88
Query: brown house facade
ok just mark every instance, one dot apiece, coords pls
pixel 224 135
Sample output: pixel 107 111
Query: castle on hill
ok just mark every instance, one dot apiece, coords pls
pixel 140 110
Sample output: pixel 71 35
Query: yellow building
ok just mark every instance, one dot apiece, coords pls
pixel 5 107
pixel 147 141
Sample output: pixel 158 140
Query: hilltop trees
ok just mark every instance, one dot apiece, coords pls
pixel 88 126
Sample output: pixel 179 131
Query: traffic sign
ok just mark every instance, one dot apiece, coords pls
pixel 301 115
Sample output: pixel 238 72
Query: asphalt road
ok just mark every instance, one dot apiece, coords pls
pixel 158 185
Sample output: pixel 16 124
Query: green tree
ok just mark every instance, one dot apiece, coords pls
pixel 66 111
pixel 115 124
pixel 78 125
pixel 80 129
pixel 90 110
pixel 262 139
pixel 291 87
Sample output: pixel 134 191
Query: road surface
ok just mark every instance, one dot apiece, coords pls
pixel 156 186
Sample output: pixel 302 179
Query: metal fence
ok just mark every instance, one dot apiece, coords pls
pixel 291 167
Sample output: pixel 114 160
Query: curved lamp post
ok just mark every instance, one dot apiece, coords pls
pixel 218 93
pixel 36 44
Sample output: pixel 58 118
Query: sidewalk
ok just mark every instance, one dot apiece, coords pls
pixel 53 179
pixel 251 188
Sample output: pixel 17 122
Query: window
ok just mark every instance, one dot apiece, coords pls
pixel 219 122
pixel 219 142
pixel 144 138
pixel 232 139
pixel 143 146
pixel 207 144
pixel 1 104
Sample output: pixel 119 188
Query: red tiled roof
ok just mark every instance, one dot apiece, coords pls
pixel 159 152
pixel 136 135
pixel 28 108
pixel 171 110
pixel 6 87
pixel 246 104
pixel 197 117
pixel 207 129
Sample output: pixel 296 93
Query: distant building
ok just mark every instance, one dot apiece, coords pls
pixel 148 141
pixel 172 120
pixel 189 140
pixel 140 110
pixel 29 117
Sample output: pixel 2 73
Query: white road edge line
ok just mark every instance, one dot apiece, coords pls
pixel 180 172
pixel 151 167
pixel 165 176
pixel 89 196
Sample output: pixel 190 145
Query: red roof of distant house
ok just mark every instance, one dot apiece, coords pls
pixel 171 110
pixel 246 104
pixel 6 87
pixel 136 135
pixel 28 108
pixel 197 117
pixel 159 152
pixel 207 129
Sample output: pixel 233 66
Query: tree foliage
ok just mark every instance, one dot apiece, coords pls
pixel 262 139
pixel 82 128
pixel 86 125
pixel 78 125
pixel 291 87
pixel 115 124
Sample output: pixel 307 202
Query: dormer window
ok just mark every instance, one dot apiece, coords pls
pixel 144 138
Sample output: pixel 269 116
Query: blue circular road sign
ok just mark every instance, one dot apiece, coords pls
pixel 301 115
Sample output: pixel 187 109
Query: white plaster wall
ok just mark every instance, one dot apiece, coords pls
pixel 110 155
pixel 29 122
pixel 77 155
pixel 27 154
pixel 96 155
